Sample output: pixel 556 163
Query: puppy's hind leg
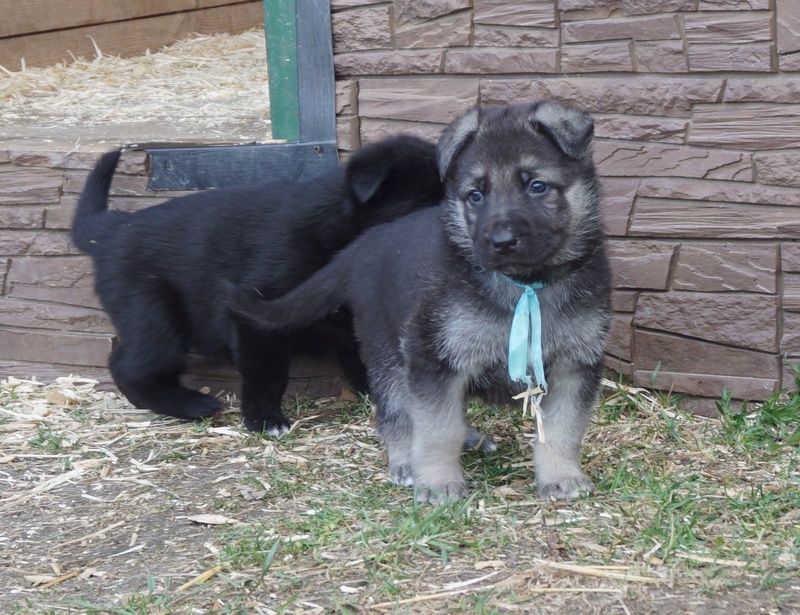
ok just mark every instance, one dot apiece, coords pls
pixel 567 408
pixel 264 366
pixel 150 358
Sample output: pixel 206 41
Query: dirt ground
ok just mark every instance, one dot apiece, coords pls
pixel 109 509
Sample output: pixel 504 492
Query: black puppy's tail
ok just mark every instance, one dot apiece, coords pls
pixel 313 300
pixel 89 224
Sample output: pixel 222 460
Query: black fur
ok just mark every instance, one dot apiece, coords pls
pixel 433 295
pixel 160 271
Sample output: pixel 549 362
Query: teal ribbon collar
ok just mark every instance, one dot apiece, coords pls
pixel 525 340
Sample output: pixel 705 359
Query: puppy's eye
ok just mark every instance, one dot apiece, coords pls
pixel 475 197
pixel 537 186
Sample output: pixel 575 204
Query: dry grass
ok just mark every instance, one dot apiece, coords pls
pixel 109 509
pixel 214 81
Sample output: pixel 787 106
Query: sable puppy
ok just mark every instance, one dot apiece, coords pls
pixel 433 295
pixel 159 272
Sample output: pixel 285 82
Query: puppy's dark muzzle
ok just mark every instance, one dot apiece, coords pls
pixel 502 242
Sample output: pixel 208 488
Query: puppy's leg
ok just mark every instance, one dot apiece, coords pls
pixel 394 424
pixel 436 408
pixel 155 386
pixel 151 356
pixel 263 362
pixel 567 408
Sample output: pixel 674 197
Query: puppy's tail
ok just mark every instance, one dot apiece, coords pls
pixel 313 300
pixel 89 224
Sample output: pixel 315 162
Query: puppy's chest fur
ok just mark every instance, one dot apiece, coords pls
pixel 472 336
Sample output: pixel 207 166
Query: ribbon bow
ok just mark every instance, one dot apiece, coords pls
pixel 525 350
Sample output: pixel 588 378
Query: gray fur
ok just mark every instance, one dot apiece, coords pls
pixel 432 302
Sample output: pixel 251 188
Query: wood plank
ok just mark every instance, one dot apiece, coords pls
pixel 315 75
pixel 34 16
pixel 200 168
pixel 281 29
pixel 127 38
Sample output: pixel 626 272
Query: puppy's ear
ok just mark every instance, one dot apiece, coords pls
pixel 454 138
pixel 364 177
pixel 571 128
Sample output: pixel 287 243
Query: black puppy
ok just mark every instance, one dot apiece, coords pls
pixel 159 272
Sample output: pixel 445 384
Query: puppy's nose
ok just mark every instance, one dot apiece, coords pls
pixel 503 241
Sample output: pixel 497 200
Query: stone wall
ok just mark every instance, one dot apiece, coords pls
pixel 697 107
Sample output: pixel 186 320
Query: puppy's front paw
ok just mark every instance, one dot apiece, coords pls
pixel 268 427
pixel 401 474
pixel 442 492
pixel 475 440
pixel 565 488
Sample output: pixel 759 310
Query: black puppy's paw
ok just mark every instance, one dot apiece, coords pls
pixel 273 427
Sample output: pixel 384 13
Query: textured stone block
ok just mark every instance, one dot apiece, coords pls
pixel 733 5
pixel 428 100
pixel 29 186
pixel 595 58
pixel 790 341
pixel 754 89
pixel 700 220
pixel 789 376
pixel 362 29
pixel 614 158
pixel 624 300
pixel 61 279
pixel 13 243
pixel 720 267
pixel 726 192
pixel 755 57
pixel 730 28
pixel 20 216
pixel 347 97
pixel 780 168
pixel 347 133
pixel 5 156
pixel 640 264
pixel 45 372
pixel 450 31
pixel 787 16
pixel 638 128
pixel 388 63
pixel 499 61
pixel 789 63
pixel 4 266
pixel 656 28
pixel 504 13
pixel 619 195
pixel 661 57
pixel 53 347
pixel 790 257
pixel 617 367
pixel 736 319
pixel 131 162
pixel 592 9
pixel 619 339
pixel 791 292
pixel 752 126
pixel 38 315
pixel 489 36
pixel 636 96
pixel 708 385
pixel 416 11
pixel 679 354
pixel 373 130
pixel 122 185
